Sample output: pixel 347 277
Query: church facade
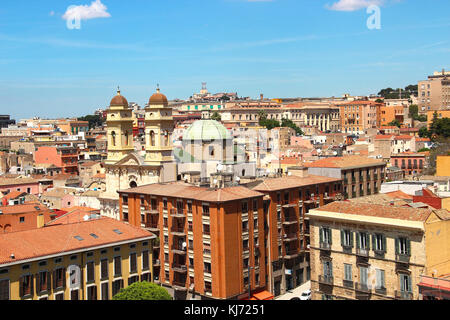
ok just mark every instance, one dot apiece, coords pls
pixel 126 168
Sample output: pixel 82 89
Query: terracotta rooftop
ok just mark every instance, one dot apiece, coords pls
pixel 384 136
pixel 14 195
pixel 403 137
pixel 16 181
pixel 74 215
pixel 377 210
pixel 345 162
pixel 186 191
pixel 274 184
pixel 60 238
pixel 23 208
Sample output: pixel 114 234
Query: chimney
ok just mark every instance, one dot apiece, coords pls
pixel 40 221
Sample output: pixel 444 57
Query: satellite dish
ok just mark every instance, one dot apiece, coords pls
pixel 184 245
pixel 289 173
pixel 219 167
pixel 86 218
pixel 215 181
pixel 238 179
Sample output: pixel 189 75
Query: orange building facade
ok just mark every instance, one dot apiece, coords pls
pixel 211 242
pixel 358 116
pixel 62 157
pixel 287 201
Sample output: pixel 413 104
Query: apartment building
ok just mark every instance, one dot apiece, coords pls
pixel 24 216
pixel 287 200
pixel 87 260
pixel 410 162
pixel 361 175
pixel 434 93
pixel 211 240
pixel 390 113
pixel 62 157
pixel 375 252
pixel 358 116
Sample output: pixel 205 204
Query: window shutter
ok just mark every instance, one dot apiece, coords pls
pixel 21 287
pixel 64 277
pixel 409 284
pixel 32 285
pixel 358 243
pixel 330 236
pixel 368 241
pixel 342 237
pixel 408 247
pixel 54 279
pixel 321 235
pixel 384 242
pixel 397 243
pixel 382 283
pixel 352 235
pixel 402 282
pixel 331 269
pixel 374 239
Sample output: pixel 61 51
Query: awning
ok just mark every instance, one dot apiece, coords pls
pixel 263 295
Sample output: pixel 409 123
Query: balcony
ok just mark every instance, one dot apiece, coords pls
pixel 325 246
pixel 326 279
pixel 179 268
pixel 362 287
pixel 178 250
pixel 154 211
pixel 179 286
pixel 174 213
pixel 403 295
pixel 178 232
pixel 381 291
pixel 348 284
pixel 362 252
pixel 291 254
pixel 402 258
pixel 290 237
pixel 157 263
pixel 152 227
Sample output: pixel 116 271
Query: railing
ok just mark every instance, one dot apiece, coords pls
pixel 177 249
pixel 403 295
pixel 362 252
pixel 290 237
pixel 178 231
pixel 326 279
pixel 348 283
pixel 403 258
pixel 179 267
pixel 381 290
pixel 325 246
pixel 362 287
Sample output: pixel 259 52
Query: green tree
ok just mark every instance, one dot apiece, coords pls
pixel 94 120
pixel 143 291
pixel 216 116
pixel 395 123
pixel 424 133
pixel 290 124
pixel 413 111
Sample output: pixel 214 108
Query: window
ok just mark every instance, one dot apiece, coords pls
pixel 116 286
pixel 348 272
pixel 105 291
pixel 380 284
pixel 104 268
pixel 206 229
pixel 132 280
pixel 59 296
pixel 4 289
pixel 145 260
pixel 405 283
pixel 379 242
pixel 117 266
pixel 74 295
pixel 26 284
pixel 22 219
pixel 255 204
pixel 133 263
pixel 362 239
pixel 244 207
pixel 59 278
pixel 327 269
pixel 363 276
pixel 42 281
pixel 403 246
pixel 90 271
pixel 205 210
pixel 347 238
pixel 244 225
pixel 207 267
pixel 92 293
pixel 325 235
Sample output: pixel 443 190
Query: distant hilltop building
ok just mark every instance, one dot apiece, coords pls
pixel 204 95
pixel 434 93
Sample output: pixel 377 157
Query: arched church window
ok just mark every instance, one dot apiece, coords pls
pixel 113 137
pixel 152 138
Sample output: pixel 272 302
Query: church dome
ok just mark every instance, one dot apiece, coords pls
pixel 206 130
pixel 119 100
pixel 158 99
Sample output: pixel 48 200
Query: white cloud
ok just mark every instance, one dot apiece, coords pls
pixel 85 12
pixel 353 5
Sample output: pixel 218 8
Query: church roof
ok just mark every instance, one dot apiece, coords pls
pixel 206 130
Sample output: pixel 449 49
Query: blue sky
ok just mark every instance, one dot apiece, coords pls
pixel 282 48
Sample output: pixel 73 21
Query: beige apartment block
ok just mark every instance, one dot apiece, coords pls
pixel 375 252
pixel 434 93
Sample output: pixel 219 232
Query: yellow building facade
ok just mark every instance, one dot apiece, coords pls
pixel 443 166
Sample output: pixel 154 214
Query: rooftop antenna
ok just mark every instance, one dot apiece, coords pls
pixel 157 88
pixel 118 90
